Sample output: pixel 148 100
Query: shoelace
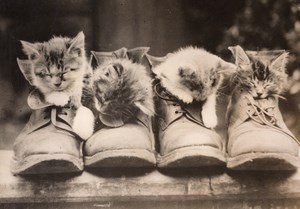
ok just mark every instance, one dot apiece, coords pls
pixel 169 97
pixel 265 117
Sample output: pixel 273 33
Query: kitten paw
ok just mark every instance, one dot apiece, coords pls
pixel 83 123
pixel 186 98
pixel 57 98
pixel 210 120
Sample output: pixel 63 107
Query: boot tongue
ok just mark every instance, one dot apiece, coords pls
pixel 36 100
pixel 193 112
pixel 59 116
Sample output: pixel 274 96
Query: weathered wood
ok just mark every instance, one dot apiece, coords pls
pixel 108 185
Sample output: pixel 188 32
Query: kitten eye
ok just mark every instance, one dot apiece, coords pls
pixel 267 85
pixel 73 69
pixel 44 74
pixel 32 57
pixel 106 74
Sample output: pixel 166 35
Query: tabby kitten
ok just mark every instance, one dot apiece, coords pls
pixel 193 74
pixel 56 68
pixel 261 74
pixel 121 89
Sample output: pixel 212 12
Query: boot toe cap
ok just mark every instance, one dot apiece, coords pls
pixel 47 140
pixel 129 136
pixel 261 139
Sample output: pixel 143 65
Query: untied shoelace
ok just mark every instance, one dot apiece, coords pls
pixel 265 117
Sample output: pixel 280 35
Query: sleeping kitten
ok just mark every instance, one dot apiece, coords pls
pixel 193 74
pixel 259 73
pixel 121 89
pixel 56 68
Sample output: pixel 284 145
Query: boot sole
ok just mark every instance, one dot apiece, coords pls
pixel 47 164
pixel 196 156
pixel 263 161
pixel 121 158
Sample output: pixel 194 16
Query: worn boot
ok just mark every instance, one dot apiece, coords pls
pixel 127 144
pixel 258 136
pixel 184 140
pixel 47 144
pixel 130 145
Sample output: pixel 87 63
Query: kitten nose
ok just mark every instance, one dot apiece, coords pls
pixel 259 94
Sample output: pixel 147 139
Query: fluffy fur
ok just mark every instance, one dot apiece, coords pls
pixel 193 74
pixel 258 74
pixel 83 123
pixel 121 89
pixel 56 69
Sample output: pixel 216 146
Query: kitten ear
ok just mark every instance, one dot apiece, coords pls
pixel 280 62
pixel 240 55
pixel 226 68
pixel 155 61
pixel 77 44
pixel 144 109
pixel 136 54
pixel 120 53
pixel 26 69
pixel 30 49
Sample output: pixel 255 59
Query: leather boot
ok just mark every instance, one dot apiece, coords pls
pixel 47 144
pixel 184 140
pixel 258 136
pixel 129 145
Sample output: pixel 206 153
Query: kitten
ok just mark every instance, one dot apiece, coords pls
pixel 193 74
pixel 56 68
pixel 121 89
pixel 261 74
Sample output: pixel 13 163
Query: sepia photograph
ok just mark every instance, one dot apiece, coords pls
pixel 130 104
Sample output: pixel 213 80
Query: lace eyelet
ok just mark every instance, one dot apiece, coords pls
pixel 64 113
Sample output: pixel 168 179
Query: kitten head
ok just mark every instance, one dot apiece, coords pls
pixel 261 73
pixel 192 73
pixel 121 88
pixel 55 65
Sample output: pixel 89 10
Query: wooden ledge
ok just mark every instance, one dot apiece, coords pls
pixel 146 185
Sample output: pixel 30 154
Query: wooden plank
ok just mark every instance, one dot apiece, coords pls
pixel 115 185
pixel 194 204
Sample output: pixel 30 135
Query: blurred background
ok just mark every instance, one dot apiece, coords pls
pixel 163 25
